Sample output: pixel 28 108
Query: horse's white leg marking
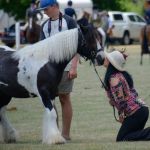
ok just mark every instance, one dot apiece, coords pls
pixel 3 83
pixel 51 133
pixel 9 133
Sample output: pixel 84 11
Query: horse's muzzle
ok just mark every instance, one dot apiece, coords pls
pixel 99 60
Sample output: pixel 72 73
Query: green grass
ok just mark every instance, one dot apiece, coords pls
pixel 93 125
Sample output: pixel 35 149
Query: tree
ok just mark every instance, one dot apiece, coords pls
pixel 108 4
pixel 120 5
pixel 15 8
pixel 18 8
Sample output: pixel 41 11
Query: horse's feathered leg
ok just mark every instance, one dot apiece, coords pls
pixel 8 132
pixel 51 133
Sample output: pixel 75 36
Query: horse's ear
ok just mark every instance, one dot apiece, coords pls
pixel 84 29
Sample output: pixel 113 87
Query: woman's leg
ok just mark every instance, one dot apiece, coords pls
pixel 132 127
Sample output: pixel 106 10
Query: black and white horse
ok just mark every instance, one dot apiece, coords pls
pixel 36 70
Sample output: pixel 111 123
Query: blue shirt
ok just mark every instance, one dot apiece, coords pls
pixel 70 12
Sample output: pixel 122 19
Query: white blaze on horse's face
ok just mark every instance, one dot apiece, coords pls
pixel 98 45
pixel 100 55
pixel 30 23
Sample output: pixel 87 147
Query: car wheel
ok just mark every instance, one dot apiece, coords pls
pixel 126 39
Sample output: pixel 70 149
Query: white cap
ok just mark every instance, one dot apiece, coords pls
pixel 117 59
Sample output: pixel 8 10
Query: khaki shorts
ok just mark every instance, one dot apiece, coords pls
pixel 66 85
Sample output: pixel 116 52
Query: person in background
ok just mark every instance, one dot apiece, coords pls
pixel 107 26
pixel 70 11
pixel 56 23
pixel 32 11
pixel 147 11
pixel 109 32
pixel 119 85
pixel 85 19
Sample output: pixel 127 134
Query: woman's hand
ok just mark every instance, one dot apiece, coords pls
pixel 121 118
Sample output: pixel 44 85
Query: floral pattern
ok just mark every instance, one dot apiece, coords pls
pixel 122 97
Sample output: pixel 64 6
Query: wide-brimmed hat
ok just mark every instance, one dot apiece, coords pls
pixel 117 59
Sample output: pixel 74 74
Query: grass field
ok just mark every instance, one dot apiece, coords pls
pixel 93 125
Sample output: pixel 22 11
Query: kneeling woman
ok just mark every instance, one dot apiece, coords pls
pixel 133 113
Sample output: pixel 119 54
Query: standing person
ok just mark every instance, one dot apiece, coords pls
pixel 70 11
pixel 147 11
pixel 85 19
pixel 32 11
pixel 133 113
pixel 56 23
pixel 109 32
pixel 107 26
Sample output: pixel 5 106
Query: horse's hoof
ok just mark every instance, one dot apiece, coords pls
pixel 10 141
pixel 55 140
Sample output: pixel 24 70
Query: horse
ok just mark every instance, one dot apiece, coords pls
pixel 33 29
pixel 36 70
pixel 145 41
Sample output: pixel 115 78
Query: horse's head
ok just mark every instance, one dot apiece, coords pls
pixel 90 44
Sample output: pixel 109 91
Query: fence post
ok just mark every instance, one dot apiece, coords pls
pixel 17 27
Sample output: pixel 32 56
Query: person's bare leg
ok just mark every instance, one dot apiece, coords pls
pixel 66 114
pixel 57 119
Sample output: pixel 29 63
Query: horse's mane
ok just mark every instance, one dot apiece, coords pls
pixel 57 48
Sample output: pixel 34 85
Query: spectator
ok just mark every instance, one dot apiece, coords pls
pixel 30 10
pixel 85 19
pixel 70 11
pixel 57 23
pixel 147 11
pixel 133 113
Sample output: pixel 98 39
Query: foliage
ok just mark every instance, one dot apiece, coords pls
pixel 121 5
pixel 138 7
pixel 15 8
pixel 18 8
pixel 108 4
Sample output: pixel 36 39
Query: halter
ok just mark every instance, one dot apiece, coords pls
pixel 84 44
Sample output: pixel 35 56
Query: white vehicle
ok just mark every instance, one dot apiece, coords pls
pixel 127 26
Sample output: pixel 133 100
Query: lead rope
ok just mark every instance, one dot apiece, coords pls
pixel 105 87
